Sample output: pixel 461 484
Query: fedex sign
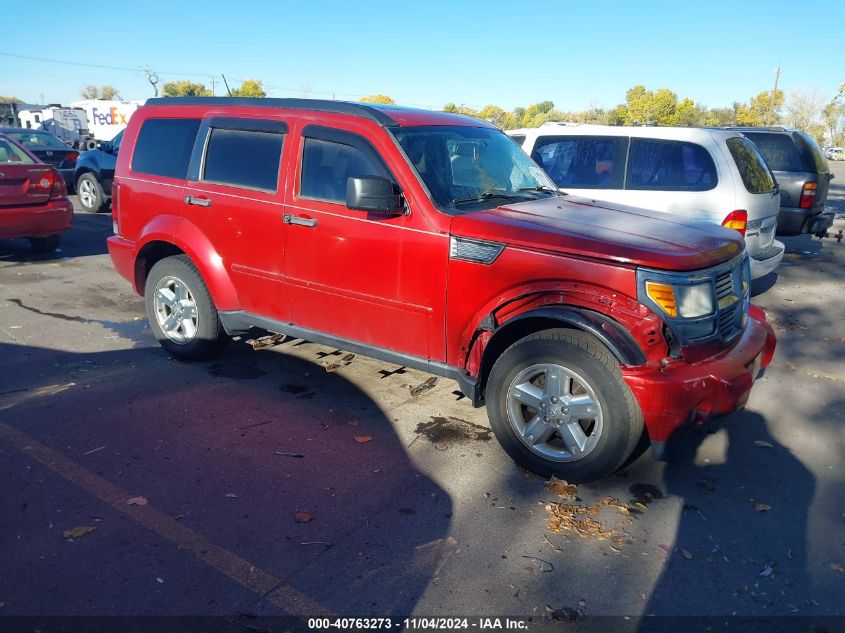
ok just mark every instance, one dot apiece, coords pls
pixel 109 117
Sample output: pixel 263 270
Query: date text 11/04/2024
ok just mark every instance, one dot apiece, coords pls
pixel 421 623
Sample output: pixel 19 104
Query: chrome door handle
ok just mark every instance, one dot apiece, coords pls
pixel 292 219
pixel 200 202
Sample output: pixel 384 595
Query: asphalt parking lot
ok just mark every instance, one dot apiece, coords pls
pixel 260 484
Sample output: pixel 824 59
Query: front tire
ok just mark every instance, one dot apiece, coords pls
pixel 180 310
pixel 559 406
pixel 90 193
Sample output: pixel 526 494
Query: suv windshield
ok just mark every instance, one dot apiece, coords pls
pixel 755 175
pixel 466 168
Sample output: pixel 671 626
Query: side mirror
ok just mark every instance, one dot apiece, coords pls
pixel 375 194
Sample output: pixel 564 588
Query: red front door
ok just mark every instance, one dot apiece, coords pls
pixel 370 278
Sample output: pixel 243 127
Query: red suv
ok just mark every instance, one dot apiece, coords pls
pixel 432 241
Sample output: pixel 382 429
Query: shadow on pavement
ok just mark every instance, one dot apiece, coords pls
pixel 741 542
pixel 233 449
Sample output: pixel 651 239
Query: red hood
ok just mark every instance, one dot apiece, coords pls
pixel 578 226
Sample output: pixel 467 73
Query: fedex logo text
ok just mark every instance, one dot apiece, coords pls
pixel 109 117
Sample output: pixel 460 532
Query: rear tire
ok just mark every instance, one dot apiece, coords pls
pixel 559 406
pixel 180 310
pixel 90 193
pixel 46 244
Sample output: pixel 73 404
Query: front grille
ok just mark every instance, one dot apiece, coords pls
pixel 724 284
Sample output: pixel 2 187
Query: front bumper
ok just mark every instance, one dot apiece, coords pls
pixel 682 393
pixel 36 221
pixel 767 261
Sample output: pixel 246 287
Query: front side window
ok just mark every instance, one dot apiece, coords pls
pixel 467 168
pixel 752 168
pixel 582 162
pixel 164 147
pixel 664 165
pixel 243 158
pixel 328 165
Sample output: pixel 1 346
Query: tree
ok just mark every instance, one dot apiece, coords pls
pixel 10 100
pixel 378 98
pixel 764 109
pixel 803 109
pixel 833 117
pixel 106 92
pixel 494 114
pixel 250 88
pixel 184 88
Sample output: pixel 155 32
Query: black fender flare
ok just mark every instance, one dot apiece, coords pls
pixel 610 333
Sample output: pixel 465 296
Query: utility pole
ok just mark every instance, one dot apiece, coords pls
pixel 212 85
pixel 772 100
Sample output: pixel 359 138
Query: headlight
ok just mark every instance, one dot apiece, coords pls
pixel 695 301
pixel 688 302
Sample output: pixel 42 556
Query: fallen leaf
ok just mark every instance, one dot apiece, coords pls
pixel 231 495
pixel 762 444
pixel 562 488
pixel 137 501
pixel 762 507
pixel 837 567
pixel 78 531
pixel 566 614
pixel 303 517
pixel 362 439
pixel 686 554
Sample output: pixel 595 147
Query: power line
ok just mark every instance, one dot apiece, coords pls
pixel 104 67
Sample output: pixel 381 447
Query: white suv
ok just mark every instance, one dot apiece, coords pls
pixel 700 173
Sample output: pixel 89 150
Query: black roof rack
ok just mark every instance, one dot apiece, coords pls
pixel 321 105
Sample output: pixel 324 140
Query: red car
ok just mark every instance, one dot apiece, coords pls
pixel 33 198
pixel 431 240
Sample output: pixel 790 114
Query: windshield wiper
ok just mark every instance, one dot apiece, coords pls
pixel 544 189
pixel 487 195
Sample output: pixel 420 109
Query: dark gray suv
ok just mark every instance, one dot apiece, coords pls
pixel 803 175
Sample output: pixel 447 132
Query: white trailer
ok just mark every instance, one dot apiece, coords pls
pixel 107 118
pixel 68 124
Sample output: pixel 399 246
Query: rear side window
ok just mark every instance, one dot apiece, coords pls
pixel 582 162
pixel 243 158
pixel 663 165
pixel 778 149
pixel 9 153
pixel 752 168
pixel 327 165
pixel 164 147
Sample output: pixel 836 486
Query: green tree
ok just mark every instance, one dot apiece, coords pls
pixel 184 88
pixel 10 100
pixel 833 117
pixel 250 88
pixel 644 107
pixel 108 92
pixel 494 114
pixel 378 98
pixel 764 109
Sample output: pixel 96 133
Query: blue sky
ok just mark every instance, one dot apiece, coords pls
pixel 429 53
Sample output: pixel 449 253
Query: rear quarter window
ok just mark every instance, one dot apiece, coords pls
pixel 814 160
pixel 164 147
pixel 664 165
pixel 752 168
pixel 778 149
